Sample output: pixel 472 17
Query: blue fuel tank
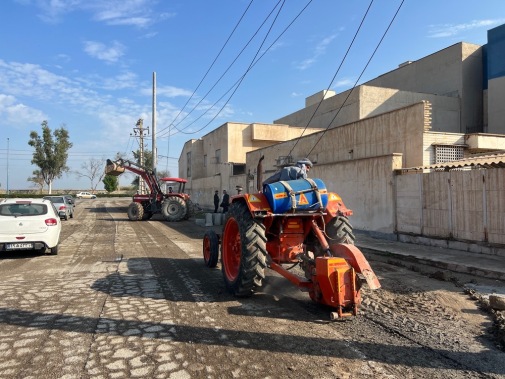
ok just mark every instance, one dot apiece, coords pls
pixel 305 195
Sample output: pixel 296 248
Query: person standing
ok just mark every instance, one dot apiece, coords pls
pixel 216 201
pixel 299 171
pixel 226 201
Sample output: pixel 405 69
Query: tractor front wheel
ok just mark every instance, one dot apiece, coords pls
pixel 243 251
pixel 174 208
pixel 135 211
pixel 210 248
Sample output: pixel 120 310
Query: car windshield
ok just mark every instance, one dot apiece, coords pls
pixel 56 199
pixel 23 209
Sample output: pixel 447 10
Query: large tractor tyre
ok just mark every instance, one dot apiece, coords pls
pixel 190 209
pixel 210 248
pixel 243 251
pixel 174 209
pixel 135 211
pixel 339 230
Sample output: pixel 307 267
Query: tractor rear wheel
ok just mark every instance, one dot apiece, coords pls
pixel 135 211
pixel 174 208
pixel 339 230
pixel 243 251
pixel 210 248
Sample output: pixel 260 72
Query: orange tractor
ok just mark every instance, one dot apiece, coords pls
pixel 292 223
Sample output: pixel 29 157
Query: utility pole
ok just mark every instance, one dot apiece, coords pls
pixel 139 131
pixel 155 149
pixel 7 166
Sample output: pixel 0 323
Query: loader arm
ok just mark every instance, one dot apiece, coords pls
pixel 118 167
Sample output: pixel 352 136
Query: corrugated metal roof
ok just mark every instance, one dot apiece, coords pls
pixel 496 160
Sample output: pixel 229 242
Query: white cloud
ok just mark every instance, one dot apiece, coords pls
pixel 138 13
pixel 15 113
pixel 167 91
pixel 450 30
pixel 105 53
pixel 319 50
pixel 346 82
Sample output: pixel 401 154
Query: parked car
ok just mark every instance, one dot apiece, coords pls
pixel 85 195
pixel 29 224
pixel 64 208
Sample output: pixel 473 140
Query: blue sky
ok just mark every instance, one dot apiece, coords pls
pixel 88 65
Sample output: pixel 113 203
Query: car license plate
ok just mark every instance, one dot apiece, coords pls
pixel 16 246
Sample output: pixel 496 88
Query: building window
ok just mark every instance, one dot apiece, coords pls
pixel 205 160
pixel 188 165
pixel 448 153
pixel 218 156
pixel 238 169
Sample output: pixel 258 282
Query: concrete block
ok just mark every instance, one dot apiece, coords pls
pixel 217 218
pixel 208 219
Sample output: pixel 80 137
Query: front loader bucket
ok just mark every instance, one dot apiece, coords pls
pixel 113 169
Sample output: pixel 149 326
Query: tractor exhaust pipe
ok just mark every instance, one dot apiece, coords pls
pixel 259 177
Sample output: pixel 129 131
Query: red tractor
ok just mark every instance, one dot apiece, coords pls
pixel 292 223
pixel 175 205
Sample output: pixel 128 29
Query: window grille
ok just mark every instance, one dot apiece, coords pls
pixel 448 153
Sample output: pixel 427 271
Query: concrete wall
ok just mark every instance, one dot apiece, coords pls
pixel 366 101
pixel 495 80
pixel 455 71
pixel 445 110
pixel 331 112
pixel 399 132
pixel 464 205
pixel 496 105
pixel 357 160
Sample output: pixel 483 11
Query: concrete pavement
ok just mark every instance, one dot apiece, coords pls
pixel 481 265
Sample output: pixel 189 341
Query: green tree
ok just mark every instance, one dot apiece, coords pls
pixel 50 153
pixel 110 183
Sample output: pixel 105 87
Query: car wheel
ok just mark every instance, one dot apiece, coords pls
pixel 54 250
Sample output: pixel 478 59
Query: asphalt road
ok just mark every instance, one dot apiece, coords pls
pixel 134 300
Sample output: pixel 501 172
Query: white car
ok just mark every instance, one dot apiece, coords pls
pixel 85 195
pixel 29 224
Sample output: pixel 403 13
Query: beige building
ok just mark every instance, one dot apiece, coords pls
pixel 217 161
pixel 363 140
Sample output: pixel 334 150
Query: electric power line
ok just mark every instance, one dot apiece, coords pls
pixel 334 76
pixel 208 70
pixel 361 74
pixel 251 66
pixel 219 79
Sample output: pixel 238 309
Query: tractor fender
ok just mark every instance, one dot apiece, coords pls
pixel 256 202
pixel 357 260
pixel 336 207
